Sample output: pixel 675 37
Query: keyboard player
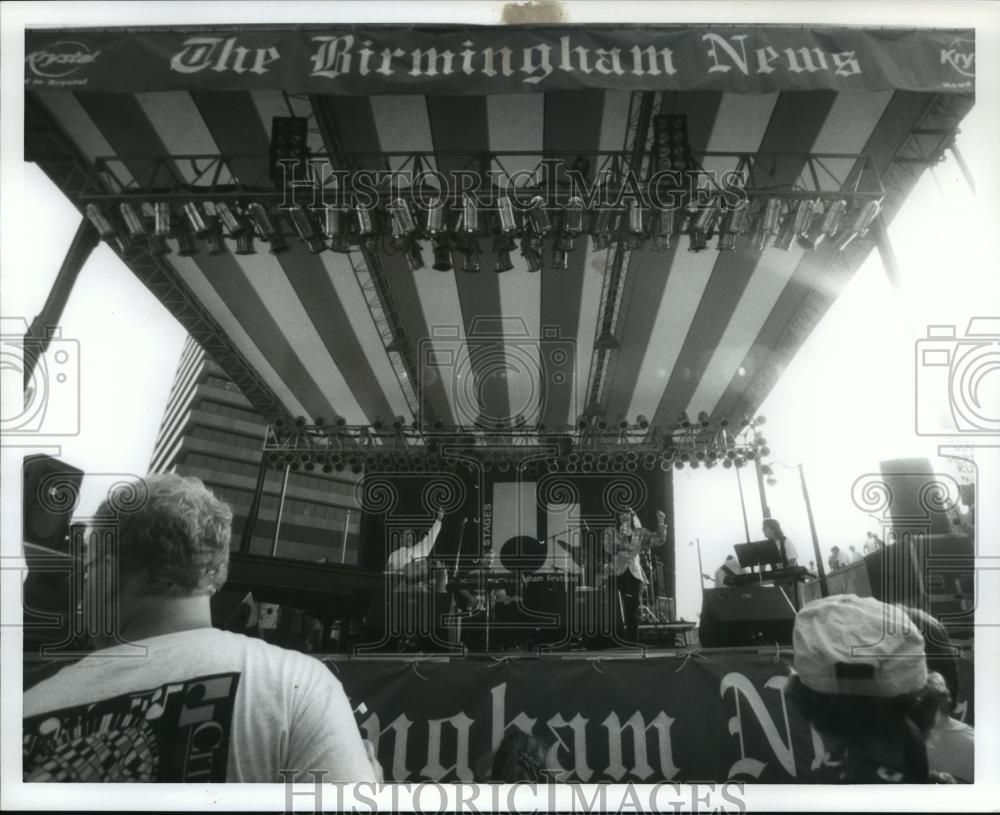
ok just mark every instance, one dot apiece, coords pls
pixel 789 555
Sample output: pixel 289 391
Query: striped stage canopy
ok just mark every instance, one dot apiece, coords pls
pixel 360 336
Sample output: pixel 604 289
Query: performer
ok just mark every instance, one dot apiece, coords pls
pixel 772 531
pixel 727 570
pixel 625 542
pixel 409 560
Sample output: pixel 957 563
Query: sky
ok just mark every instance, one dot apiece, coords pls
pixel 844 403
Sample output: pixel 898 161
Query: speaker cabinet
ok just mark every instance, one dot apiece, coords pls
pixel 745 615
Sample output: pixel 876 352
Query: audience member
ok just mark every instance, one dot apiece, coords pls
pixel 860 678
pixel 520 757
pixel 950 744
pixel 167 697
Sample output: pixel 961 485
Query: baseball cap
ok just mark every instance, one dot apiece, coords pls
pixel 858 646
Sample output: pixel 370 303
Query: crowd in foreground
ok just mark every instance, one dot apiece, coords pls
pixel 877 682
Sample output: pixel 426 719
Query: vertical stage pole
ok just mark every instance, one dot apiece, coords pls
pixel 251 522
pixel 823 587
pixel 343 540
pixel 743 504
pixel 281 507
pixel 764 508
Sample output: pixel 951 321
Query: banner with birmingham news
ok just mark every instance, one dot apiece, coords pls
pixel 375 59
pixel 710 716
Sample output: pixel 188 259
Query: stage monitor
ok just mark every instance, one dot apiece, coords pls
pixel 758 553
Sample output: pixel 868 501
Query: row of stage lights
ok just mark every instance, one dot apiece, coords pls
pixel 775 221
pixel 585 462
pixel 695 447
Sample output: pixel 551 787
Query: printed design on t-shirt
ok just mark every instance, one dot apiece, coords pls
pixel 178 732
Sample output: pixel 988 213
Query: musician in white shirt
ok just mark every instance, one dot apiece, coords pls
pixel 625 543
pixel 410 559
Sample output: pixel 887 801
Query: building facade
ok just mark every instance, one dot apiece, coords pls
pixel 209 430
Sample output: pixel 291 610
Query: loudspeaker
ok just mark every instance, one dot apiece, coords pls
pixel 51 493
pixel 912 484
pixel 745 615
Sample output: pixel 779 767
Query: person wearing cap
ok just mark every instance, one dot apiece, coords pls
pixel 860 679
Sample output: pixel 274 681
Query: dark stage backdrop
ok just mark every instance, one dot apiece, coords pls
pixel 530 519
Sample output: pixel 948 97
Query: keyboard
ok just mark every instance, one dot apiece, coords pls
pixel 789 573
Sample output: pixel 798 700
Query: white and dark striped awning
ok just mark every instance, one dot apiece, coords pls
pixel 695 331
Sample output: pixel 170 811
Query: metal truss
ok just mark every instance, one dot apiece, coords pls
pixel 329 178
pixel 923 147
pixel 358 442
pixel 47 146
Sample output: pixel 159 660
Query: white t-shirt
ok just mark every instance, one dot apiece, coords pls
pixel 202 706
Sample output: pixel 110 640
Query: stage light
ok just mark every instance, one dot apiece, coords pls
pixel 414 257
pixel 685 456
pixel 723 421
pixel 573 216
pixel 666 224
pixel 228 219
pixel 765 450
pixel 133 222
pixel 538 217
pixel 336 228
pixel 532 253
pixel 699 455
pixel 796 223
pixel 825 227
pixel 730 454
pixel 103 226
pixel 766 469
pixel 727 463
pixel 760 420
pixel 267 228
pixel 641 422
pixel 196 219
pixel 772 481
pixel 600 228
pixel 402 217
pixel 768 225
pixel 636 218
pixel 470 215
pixel 622 423
pixel 471 254
pixel 709 464
pixel 216 244
pixel 435 216
pixel 560 259
pixel 703 418
pixel 442 255
pixel 683 420
pixel 750 455
pixel 501 252
pixel 161 219
pixel 862 223
pixel 695 465
pixel 701 226
pixel 679 465
pixel 739 461
pixel 365 219
pixel 733 225
pixel 186 245
pixel 505 211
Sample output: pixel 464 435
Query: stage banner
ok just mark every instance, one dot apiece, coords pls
pixel 483 60
pixel 707 716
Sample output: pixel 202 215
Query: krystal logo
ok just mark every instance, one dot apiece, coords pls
pixel 961 56
pixel 60 59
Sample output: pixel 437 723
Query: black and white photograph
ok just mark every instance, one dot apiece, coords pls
pixel 473 406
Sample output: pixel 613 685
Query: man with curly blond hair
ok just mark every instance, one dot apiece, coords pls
pixel 166 697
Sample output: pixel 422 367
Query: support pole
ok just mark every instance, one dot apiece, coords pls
pixel 821 570
pixel 251 522
pixel 281 507
pixel 963 166
pixel 343 540
pixel 743 504
pixel 40 330
pixel 764 508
